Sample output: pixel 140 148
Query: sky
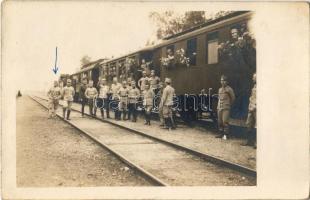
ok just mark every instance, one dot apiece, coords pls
pixel 77 29
pixel 33 29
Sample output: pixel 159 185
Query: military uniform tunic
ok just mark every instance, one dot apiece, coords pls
pixel 114 90
pixel 154 82
pixel 68 93
pixel 142 82
pixel 133 95
pixel 91 93
pixel 123 98
pixel 226 97
pixel 148 96
pixel 103 91
pixel 54 94
pixel 167 101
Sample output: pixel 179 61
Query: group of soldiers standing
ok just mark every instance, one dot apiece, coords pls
pixel 122 98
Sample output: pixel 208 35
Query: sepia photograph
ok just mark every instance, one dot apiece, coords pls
pixel 118 95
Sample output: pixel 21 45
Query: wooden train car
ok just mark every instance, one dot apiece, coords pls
pixel 194 60
pixel 90 71
pixel 127 66
pixel 206 63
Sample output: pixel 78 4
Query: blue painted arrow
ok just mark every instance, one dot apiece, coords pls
pixel 55 69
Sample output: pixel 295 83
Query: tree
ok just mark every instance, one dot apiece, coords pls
pixel 85 59
pixel 170 22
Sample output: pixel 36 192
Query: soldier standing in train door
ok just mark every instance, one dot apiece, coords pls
pixel 82 97
pixel 133 95
pixel 226 97
pixel 154 81
pixel 67 93
pixel 251 119
pixel 102 100
pixel 148 97
pixel 143 81
pixel 54 94
pixel 123 99
pixel 115 98
pixel 91 94
pixel 166 104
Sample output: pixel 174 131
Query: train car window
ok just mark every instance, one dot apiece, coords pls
pixel 191 50
pixel 171 47
pixel 212 48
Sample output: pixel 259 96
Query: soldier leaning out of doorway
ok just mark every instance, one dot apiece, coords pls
pixel 226 99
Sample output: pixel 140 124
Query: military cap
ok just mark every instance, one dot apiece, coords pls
pixel 223 77
pixel 167 80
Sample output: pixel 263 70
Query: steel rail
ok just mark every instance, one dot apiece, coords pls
pixel 156 181
pixel 204 156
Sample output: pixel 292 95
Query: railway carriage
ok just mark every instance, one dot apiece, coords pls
pixel 206 62
pixel 194 60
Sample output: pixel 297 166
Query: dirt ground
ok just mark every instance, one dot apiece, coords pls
pixel 51 153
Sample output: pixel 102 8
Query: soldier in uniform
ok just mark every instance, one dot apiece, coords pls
pixel 133 95
pixel 143 81
pixel 123 99
pixel 154 81
pixel 67 93
pixel 91 94
pixel 115 98
pixel 148 96
pixel 166 104
pixel 54 94
pixel 226 98
pixel 251 120
pixel 82 97
pixel 102 100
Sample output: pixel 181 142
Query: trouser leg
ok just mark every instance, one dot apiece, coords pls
pixel 116 110
pixel 50 107
pixel 95 107
pixel 251 133
pixel 82 106
pixel 90 105
pixel 54 108
pixel 107 106
pixel 69 109
pixel 134 112
pixel 64 112
pixel 225 115
pixel 129 111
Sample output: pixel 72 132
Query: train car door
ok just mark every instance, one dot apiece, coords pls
pixel 95 75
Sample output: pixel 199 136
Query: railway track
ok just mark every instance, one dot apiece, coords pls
pixel 162 162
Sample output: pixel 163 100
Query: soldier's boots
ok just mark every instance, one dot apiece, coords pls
pixel 220 133
pixel 167 123
pixel 173 126
pixel 250 139
pixel 117 115
pixel 68 115
pixel 64 113
pixel 82 110
pixel 95 112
